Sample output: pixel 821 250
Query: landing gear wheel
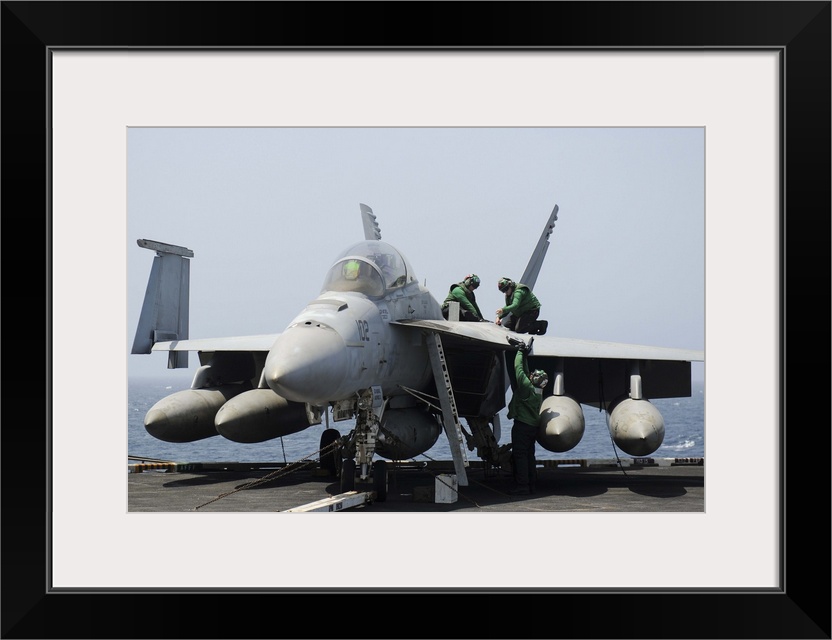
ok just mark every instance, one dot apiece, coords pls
pixel 380 480
pixel 348 475
pixel 331 459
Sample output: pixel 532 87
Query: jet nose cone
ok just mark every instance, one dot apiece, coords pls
pixel 307 363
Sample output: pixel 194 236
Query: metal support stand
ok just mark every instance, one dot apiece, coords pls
pixel 450 418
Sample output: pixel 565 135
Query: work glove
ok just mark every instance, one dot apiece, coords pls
pixel 517 344
pixel 520 345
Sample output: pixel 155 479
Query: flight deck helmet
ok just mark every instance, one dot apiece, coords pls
pixel 472 280
pixel 351 269
pixel 539 378
pixel 504 284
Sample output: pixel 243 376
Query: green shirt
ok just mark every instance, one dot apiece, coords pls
pixel 522 300
pixel 466 299
pixel 525 403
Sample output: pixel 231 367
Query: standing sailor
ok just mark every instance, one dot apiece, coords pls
pixel 524 407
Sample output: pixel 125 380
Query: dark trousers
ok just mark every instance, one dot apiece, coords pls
pixel 523 323
pixel 523 440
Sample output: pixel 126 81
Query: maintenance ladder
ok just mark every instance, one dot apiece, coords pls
pixel 450 417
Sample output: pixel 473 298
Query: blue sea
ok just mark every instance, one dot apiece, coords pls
pixel 684 420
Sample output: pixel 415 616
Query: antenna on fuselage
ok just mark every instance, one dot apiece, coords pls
pixel 371 228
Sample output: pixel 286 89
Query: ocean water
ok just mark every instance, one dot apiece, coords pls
pixel 684 421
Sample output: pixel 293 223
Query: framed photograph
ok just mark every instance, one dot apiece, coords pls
pixel 753 77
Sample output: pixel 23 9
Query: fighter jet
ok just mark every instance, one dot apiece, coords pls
pixel 374 348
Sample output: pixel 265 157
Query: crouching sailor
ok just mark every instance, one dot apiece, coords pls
pixel 523 306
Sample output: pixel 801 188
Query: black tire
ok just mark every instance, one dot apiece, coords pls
pixel 380 480
pixel 348 475
pixel 331 459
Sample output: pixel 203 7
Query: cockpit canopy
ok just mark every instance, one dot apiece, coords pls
pixel 370 267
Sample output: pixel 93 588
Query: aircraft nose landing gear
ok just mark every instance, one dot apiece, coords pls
pixel 350 479
pixel 357 466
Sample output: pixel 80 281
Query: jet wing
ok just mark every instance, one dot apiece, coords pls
pixel 594 372
pixel 485 334
pixel 236 343
pixel 550 346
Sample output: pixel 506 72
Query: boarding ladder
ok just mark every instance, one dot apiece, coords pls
pixel 450 418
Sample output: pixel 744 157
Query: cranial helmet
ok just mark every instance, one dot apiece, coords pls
pixel 472 281
pixel 504 284
pixel 539 378
pixel 350 269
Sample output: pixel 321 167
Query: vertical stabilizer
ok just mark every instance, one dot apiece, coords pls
pixel 371 228
pixel 164 314
pixel 529 277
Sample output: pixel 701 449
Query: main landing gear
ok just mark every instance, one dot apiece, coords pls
pixel 331 454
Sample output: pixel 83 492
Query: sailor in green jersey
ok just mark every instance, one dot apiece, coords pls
pixel 524 408
pixel 521 303
pixel 463 293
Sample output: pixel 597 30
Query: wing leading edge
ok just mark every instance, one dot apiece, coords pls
pixel 550 346
pixel 235 343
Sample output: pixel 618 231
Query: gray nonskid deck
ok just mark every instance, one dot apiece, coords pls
pixel 656 485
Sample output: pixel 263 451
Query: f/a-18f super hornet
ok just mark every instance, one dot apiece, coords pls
pixel 374 348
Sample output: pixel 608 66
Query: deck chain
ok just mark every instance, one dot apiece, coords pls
pixel 297 465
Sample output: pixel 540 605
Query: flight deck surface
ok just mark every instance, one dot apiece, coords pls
pixel 656 485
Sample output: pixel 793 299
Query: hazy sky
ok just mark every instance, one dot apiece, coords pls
pixel 266 210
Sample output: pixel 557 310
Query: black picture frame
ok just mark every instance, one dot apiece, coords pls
pixel 800 31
